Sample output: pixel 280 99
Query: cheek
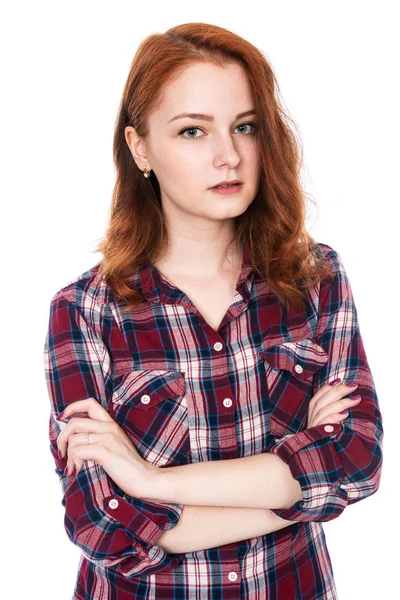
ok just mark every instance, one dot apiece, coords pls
pixel 249 166
pixel 185 182
pixel 254 163
pixel 177 171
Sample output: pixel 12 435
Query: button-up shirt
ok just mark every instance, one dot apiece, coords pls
pixel 185 392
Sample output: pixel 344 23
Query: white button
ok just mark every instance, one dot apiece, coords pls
pixel 227 402
pixel 218 346
pixel 232 576
pixel 145 399
pixel 328 428
pixel 298 369
pixel 113 503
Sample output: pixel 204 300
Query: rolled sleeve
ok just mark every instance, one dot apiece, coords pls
pixel 336 464
pixel 112 529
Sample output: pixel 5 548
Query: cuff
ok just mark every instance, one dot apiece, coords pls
pixel 145 521
pixel 312 459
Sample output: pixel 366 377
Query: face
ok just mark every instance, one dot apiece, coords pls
pixel 189 155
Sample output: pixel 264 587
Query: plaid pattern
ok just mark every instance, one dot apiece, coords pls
pixel 164 375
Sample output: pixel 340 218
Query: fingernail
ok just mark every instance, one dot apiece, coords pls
pixel 342 412
pixel 59 455
pixel 65 470
pixel 352 383
pixel 335 381
pixel 62 418
pixel 355 397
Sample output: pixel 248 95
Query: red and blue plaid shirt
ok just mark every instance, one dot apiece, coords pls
pixel 164 374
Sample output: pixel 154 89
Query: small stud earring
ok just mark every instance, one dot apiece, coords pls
pixel 146 173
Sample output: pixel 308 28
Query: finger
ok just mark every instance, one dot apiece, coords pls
pixel 76 441
pixel 80 439
pixel 91 406
pixel 332 399
pixel 83 452
pixel 328 390
pixel 331 418
pixel 322 391
pixel 326 395
pixel 73 466
pixel 335 408
pixel 77 425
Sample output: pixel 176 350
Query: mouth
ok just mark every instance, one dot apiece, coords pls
pixel 227 189
pixel 225 184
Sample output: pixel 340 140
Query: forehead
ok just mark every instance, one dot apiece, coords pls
pixel 220 91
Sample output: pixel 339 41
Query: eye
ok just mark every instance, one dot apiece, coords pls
pixel 247 124
pixel 199 129
pixel 188 129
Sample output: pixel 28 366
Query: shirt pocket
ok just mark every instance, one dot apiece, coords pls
pixel 290 368
pixel 151 407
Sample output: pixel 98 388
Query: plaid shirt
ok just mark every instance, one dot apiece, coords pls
pixel 184 392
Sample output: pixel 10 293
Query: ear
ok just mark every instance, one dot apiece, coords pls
pixel 137 146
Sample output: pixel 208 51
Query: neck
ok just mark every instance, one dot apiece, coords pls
pixel 199 259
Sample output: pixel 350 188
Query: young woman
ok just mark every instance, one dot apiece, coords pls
pixel 211 399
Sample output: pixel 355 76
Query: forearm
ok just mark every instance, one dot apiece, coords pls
pixel 203 527
pixel 258 481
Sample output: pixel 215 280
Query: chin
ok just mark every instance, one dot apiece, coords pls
pixel 229 212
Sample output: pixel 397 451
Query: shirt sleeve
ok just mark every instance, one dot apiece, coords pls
pixel 336 464
pixel 112 529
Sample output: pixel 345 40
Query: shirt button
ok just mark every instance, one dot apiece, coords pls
pixel 145 399
pixel 113 503
pixel 232 576
pixel 298 369
pixel 218 346
pixel 328 428
pixel 227 402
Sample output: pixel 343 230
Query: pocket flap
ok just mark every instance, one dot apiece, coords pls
pixel 146 388
pixel 302 358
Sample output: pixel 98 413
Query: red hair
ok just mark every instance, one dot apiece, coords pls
pixel 272 227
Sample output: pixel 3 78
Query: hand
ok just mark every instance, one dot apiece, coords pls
pixel 326 404
pixel 109 446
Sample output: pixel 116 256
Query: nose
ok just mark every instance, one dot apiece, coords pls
pixel 225 152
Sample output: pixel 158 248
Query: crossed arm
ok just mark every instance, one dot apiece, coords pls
pixel 221 498
pixel 203 527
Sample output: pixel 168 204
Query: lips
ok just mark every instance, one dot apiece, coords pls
pixel 225 184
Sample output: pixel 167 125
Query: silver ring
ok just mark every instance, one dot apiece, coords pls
pixel 87 438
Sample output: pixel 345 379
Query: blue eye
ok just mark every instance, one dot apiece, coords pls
pixel 194 129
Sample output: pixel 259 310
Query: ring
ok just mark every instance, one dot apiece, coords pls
pixel 87 438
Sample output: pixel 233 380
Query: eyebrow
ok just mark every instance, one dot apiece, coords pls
pixel 202 117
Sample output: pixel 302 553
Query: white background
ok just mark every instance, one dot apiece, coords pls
pixel 63 68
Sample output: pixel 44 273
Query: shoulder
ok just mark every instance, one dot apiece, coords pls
pixel 327 252
pixel 334 287
pixel 332 258
pixel 86 293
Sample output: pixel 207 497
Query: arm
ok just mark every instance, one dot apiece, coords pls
pixel 236 482
pixel 344 465
pixel 112 529
pixel 200 527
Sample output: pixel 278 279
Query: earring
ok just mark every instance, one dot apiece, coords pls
pixel 146 173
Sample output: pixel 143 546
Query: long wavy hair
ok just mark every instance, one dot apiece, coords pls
pixel 272 227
